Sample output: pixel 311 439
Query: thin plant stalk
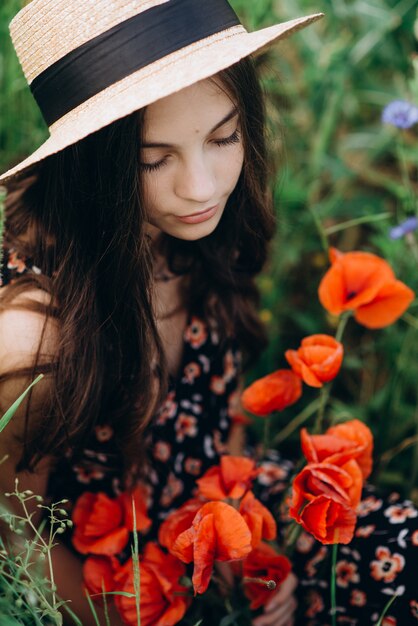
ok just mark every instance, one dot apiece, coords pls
pixel 136 567
pixel 46 547
pixel 334 585
pixel 105 607
pixel 266 436
pixel 412 245
pixel 410 196
pixel 366 219
pixel 325 392
pixel 92 609
pixel 297 421
pixel 386 609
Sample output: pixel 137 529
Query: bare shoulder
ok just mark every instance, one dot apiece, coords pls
pixel 23 331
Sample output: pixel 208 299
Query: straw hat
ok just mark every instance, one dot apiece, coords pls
pixel 91 62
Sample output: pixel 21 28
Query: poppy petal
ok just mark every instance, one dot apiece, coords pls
pixel 178 521
pixel 357 432
pixel 108 545
pixel 271 393
pixel 390 302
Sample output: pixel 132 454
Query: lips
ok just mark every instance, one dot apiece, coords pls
pixel 201 212
pixel 201 216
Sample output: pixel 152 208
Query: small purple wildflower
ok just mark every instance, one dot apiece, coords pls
pixel 401 114
pixel 408 226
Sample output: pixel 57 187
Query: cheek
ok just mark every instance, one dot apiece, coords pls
pixel 229 167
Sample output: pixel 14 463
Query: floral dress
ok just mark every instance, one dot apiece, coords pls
pixel 188 435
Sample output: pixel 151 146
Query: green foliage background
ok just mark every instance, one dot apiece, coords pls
pixel 336 164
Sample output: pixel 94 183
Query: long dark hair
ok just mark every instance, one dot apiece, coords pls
pixel 86 219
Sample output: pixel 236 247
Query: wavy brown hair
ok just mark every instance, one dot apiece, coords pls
pixel 81 220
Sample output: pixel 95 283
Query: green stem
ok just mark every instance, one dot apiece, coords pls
pixel 342 324
pixel 411 320
pixel 136 567
pixel 334 585
pixel 321 230
pixel 47 549
pixel 325 392
pixel 266 442
pixel 366 219
pixel 323 401
pixel 412 245
pixel 409 197
pixel 414 470
pixel 386 609
pixel 297 421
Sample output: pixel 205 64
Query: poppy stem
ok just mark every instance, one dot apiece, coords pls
pixel 333 585
pixel 270 584
pixel 266 438
pixel 296 422
pixel 342 324
pixel 412 245
pixel 323 401
pixel 325 392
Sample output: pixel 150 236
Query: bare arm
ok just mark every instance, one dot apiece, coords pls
pixel 20 333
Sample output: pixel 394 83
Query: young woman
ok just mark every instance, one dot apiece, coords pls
pixel 133 238
pixel 134 235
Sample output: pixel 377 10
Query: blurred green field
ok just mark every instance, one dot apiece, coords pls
pixel 336 163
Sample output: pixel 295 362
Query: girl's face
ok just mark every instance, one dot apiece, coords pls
pixel 191 159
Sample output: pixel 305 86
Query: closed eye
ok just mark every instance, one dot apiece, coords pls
pixel 152 167
pixel 234 138
pixel 227 141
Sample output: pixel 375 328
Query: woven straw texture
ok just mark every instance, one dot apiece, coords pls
pixel 158 80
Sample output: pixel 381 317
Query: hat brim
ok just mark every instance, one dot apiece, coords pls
pixel 159 80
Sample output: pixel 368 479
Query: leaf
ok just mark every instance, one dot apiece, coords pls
pixel 92 609
pixel 72 614
pixel 12 410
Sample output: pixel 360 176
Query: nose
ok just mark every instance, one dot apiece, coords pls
pixel 195 180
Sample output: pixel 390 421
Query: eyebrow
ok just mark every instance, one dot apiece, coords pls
pixel 228 117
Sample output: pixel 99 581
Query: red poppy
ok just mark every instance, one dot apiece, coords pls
pixel 324 498
pixel 318 360
pixel 364 283
pixel 102 524
pixel 98 522
pixel 218 533
pixel 98 574
pixel 259 519
pixel 274 392
pixel 329 448
pixel 343 484
pixel 357 432
pixel 163 601
pixel 328 520
pixel 136 498
pixel 178 521
pixel 264 563
pixel 230 479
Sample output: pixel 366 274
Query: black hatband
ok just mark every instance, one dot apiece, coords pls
pixel 126 48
